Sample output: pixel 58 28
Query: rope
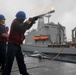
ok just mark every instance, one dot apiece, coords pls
pixel 58 54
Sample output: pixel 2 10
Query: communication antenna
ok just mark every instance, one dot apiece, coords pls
pixel 48 16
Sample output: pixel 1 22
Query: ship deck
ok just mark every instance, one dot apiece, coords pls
pixel 36 66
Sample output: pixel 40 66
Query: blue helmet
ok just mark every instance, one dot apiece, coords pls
pixel 21 15
pixel 2 16
pixel 7 28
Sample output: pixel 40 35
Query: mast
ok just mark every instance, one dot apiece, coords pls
pixel 48 16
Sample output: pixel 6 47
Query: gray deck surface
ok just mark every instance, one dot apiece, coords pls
pixel 46 67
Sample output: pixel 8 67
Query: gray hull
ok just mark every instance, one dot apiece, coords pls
pixel 46 49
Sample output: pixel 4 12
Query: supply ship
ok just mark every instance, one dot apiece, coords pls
pixel 49 38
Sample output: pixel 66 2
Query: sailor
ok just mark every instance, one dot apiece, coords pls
pixel 3 40
pixel 16 37
pixel 7 28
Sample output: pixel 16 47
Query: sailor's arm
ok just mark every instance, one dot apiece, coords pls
pixel 2 32
pixel 27 25
pixel 21 28
pixel 5 35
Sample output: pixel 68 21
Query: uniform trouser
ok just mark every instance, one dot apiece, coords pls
pixel 14 50
pixel 3 54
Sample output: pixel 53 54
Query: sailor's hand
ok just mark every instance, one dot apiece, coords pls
pixel 32 20
pixel 28 21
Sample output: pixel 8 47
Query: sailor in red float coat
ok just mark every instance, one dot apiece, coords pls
pixel 3 40
pixel 16 37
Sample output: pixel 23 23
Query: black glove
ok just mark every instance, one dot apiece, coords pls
pixel 32 21
pixel 35 18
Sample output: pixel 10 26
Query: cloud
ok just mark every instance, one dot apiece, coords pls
pixel 69 21
pixel 65 14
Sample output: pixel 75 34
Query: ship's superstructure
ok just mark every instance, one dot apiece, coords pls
pixel 46 33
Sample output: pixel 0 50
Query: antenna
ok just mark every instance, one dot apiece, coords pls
pixel 48 16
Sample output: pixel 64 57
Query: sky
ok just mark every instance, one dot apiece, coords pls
pixel 65 11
